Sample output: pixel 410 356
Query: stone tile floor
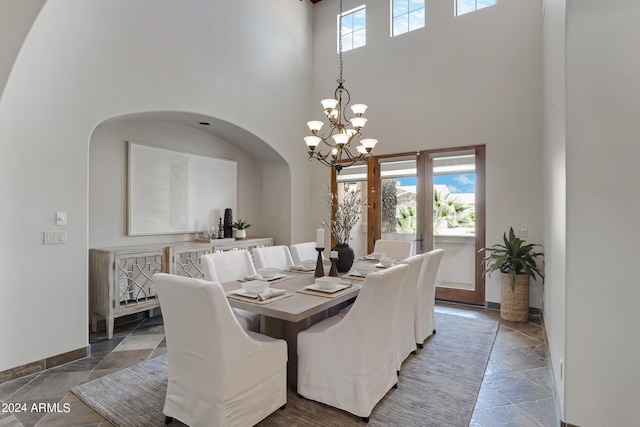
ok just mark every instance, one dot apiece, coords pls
pixel 516 390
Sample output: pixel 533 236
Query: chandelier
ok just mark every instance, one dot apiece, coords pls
pixel 344 127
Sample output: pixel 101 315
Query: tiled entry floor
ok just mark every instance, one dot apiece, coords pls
pixel 516 390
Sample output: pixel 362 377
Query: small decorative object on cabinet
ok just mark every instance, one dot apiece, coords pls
pixel 220 230
pixel 517 263
pixel 228 223
pixel 241 229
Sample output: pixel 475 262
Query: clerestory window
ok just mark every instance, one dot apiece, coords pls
pixel 406 15
pixel 466 6
pixel 354 28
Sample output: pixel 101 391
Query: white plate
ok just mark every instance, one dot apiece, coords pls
pixel 336 288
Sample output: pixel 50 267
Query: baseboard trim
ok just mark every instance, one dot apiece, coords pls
pixel 496 306
pixel 563 424
pixel 41 365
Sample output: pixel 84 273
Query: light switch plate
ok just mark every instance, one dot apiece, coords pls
pixel 61 218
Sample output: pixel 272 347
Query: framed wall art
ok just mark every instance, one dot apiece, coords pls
pixel 171 192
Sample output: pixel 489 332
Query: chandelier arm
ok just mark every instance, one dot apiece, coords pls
pixel 321 158
pixel 354 161
pixel 349 155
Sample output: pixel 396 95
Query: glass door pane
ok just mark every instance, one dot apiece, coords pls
pixel 454 185
pixel 398 216
pixel 354 178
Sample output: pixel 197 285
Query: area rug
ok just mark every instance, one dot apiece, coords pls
pixel 438 386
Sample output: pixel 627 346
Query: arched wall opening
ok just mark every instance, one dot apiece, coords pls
pixel 264 177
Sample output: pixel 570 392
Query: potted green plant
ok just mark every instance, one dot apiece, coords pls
pixel 241 227
pixel 517 262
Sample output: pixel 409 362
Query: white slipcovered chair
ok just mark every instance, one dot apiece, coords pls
pixel 227 266
pixel 303 251
pixel 349 362
pixel 396 249
pixel 425 321
pixel 219 375
pixel 272 256
pixel 405 329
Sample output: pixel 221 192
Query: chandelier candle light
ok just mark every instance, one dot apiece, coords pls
pixel 343 129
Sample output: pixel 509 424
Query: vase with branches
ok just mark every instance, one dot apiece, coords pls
pixel 346 213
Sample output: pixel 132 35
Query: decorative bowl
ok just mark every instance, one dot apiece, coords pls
pixel 255 286
pixel 309 263
pixel 387 262
pixel 363 270
pixel 327 282
pixel 268 272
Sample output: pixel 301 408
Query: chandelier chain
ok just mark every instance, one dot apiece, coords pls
pixel 340 38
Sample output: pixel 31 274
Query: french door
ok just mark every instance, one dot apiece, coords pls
pixel 435 199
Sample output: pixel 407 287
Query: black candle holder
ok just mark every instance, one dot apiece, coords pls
pixel 334 268
pixel 319 267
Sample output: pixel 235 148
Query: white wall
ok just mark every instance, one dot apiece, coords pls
pixel 242 62
pixel 602 349
pixel 473 79
pixel 15 22
pixel 555 191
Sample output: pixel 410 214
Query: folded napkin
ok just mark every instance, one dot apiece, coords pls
pixel 270 293
pixel 301 268
pixel 249 278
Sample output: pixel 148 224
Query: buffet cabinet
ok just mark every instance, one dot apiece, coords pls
pixel 121 278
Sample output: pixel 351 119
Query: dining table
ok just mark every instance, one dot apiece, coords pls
pixel 299 308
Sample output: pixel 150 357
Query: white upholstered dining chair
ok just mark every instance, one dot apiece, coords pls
pixel 405 328
pixel 349 362
pixel 424 317
pixel 303 251
pixel 272 256
pixel 396 249
pixel 218 374
pixel 227 266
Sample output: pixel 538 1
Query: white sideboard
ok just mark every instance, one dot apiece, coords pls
pixel 120 278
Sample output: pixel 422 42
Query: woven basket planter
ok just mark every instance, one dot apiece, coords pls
pixel 514 305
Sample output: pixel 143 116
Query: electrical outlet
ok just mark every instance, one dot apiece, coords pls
pixel 55 237
pixel 521 232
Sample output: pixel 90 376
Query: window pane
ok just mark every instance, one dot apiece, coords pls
pixel 400 25
pixel 486 3
pixel 465 6
pixel 419 4
pixel 359 38
pixel 347 42
pixel 347 24
pixel 359 20
pixel 400 7
pixel 416 19
pixel 454 203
